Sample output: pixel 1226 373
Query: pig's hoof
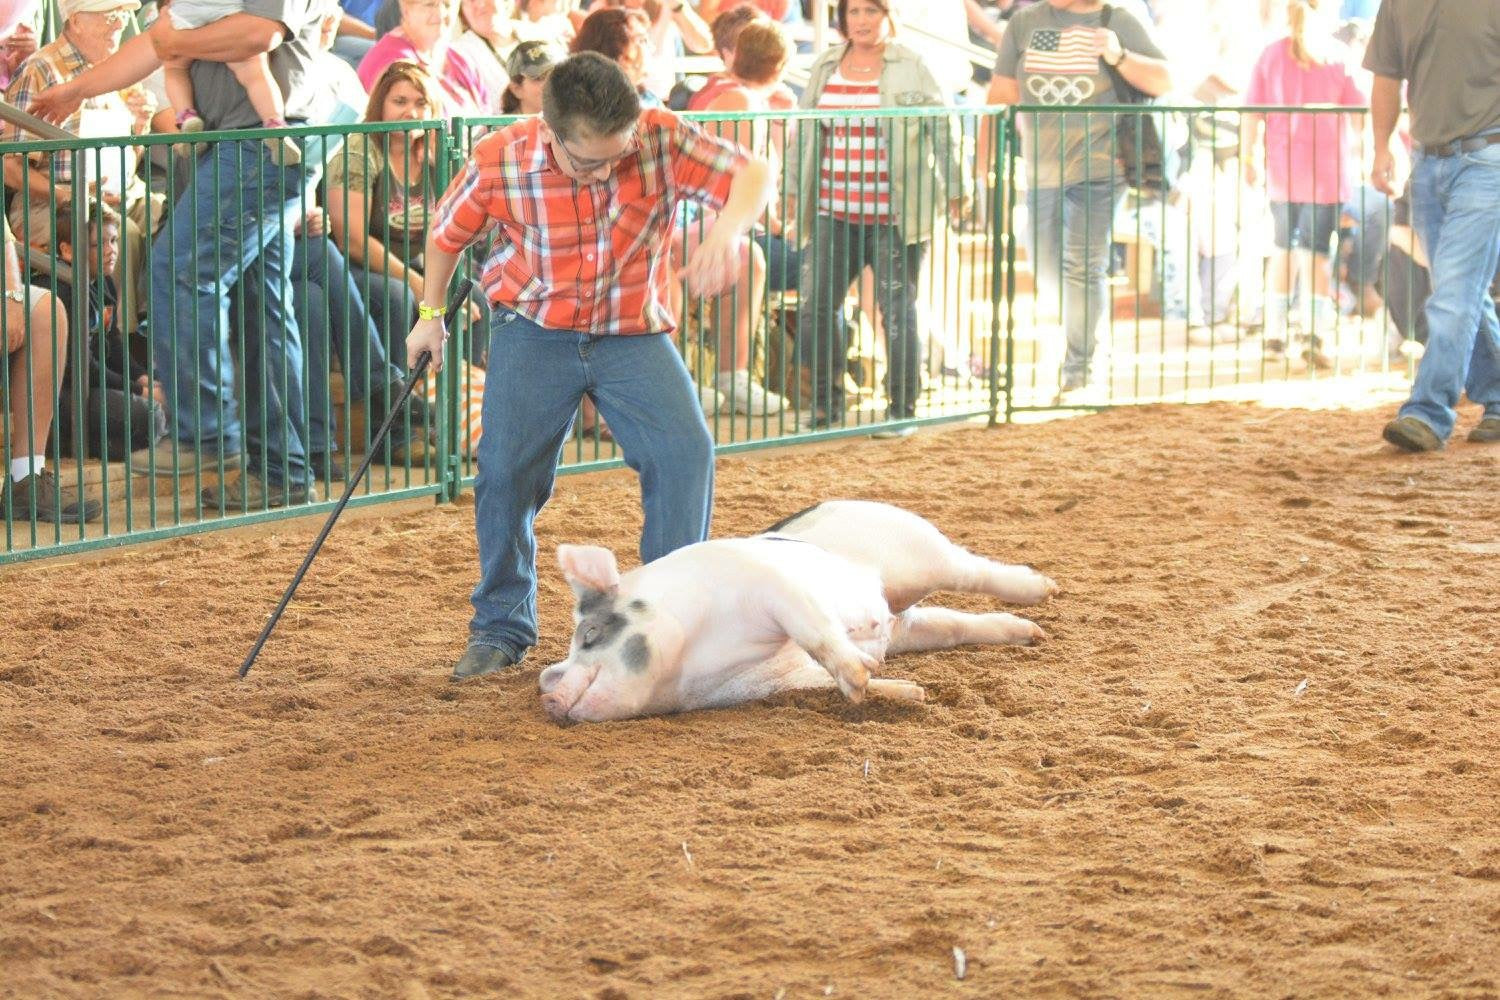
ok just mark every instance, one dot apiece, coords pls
pixel 479 660
pixel 896 690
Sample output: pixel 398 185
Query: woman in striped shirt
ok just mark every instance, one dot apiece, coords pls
pixel 869 192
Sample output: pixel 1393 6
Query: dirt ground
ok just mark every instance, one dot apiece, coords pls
pixel 1258 755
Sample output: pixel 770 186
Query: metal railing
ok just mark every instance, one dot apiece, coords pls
pixel 1211 287
pixel 264 343
pixel 954 303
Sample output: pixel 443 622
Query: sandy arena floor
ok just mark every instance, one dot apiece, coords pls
pixel 1257 757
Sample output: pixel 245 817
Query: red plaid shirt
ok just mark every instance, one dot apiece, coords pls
pixel 584 257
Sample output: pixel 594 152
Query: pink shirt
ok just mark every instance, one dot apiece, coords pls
pixel 461 82
pixel 1308 156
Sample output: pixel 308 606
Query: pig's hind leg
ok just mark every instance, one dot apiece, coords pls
pixel 923 628
pixel 960 570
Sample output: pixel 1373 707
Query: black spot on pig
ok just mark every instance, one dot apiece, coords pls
pixel 599 624
pixel 594 601
pixel 780 525
pixel 636 655
pixel 637 605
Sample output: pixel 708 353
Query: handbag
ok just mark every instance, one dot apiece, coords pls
pixel 1138 136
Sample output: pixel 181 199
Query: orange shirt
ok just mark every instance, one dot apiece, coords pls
pixel 590 258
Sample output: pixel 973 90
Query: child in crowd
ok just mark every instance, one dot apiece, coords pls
pixel 1306 162
pixel 123 407
pixel 254 74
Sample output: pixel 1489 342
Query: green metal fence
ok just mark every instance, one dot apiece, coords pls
pixel 272 351
pixel 1211 287
pixel 943 303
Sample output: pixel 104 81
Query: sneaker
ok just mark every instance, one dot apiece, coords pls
pixel 47 504
pixel 250 492
pixel 750 399
pixel 1218 333
pixel 158 459
pixel 1410 434
pixel 1314 356
pixel 480 659
pixel 1080 394
pixel 710 399
pixel 1487 431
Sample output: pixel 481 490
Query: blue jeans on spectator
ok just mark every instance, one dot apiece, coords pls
pixel 1456 213
pixel 783 262
pixel 335 323
pixel 835 255
pixel 643 390
pixel 1070 229
pixel 239 211
pixel 1371 212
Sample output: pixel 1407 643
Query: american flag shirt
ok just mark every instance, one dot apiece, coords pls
pixel 1060 66
pixel 1054 57
pixel 588 258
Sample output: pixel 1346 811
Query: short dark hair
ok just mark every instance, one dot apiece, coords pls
pixel 591 91
pixel 841 15
pixel 727 26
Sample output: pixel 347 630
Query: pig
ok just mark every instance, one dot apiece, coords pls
pixel 818 600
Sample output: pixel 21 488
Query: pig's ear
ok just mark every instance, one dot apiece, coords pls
pixel 589 568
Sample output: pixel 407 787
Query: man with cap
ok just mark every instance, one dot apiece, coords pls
pixel 528 66
pixel 91 33
pixel 1447 53
pixel 239 210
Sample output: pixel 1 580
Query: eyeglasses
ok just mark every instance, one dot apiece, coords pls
pixel 584 166
pixel 120 15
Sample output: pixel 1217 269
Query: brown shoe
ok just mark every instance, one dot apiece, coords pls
pixel 1410 434
pixel 39 498
pixel 253 493
pixel 1486 432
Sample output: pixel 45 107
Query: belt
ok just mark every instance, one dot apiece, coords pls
pixel 1458 146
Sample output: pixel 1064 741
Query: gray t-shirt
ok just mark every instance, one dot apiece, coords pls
pixel 222 102
pixel 1047 51
pixel 1448 52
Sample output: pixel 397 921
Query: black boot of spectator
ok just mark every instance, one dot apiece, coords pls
pixel 37 497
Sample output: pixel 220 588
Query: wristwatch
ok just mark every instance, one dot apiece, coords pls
pixel 1117 62
pixel 425 311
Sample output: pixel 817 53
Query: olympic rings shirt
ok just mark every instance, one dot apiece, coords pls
pixel 587 258
pixel 1051 54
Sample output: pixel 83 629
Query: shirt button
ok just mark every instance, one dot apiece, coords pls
pixel 588 256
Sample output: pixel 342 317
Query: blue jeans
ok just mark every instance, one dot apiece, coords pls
pixel 335 323
pixel 1455 204
pixel 239 210
pixel 1371 211
pixel 531 393
pixel 1070 229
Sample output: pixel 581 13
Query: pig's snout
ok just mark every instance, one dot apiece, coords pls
pixel 563 684
pixel 556 707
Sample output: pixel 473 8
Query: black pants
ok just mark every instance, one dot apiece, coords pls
pixel 835 255
pixel 110 417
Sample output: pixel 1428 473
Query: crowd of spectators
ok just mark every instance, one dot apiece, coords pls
pixel 303 253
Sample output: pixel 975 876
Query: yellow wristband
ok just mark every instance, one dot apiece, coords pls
pixel 426 311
